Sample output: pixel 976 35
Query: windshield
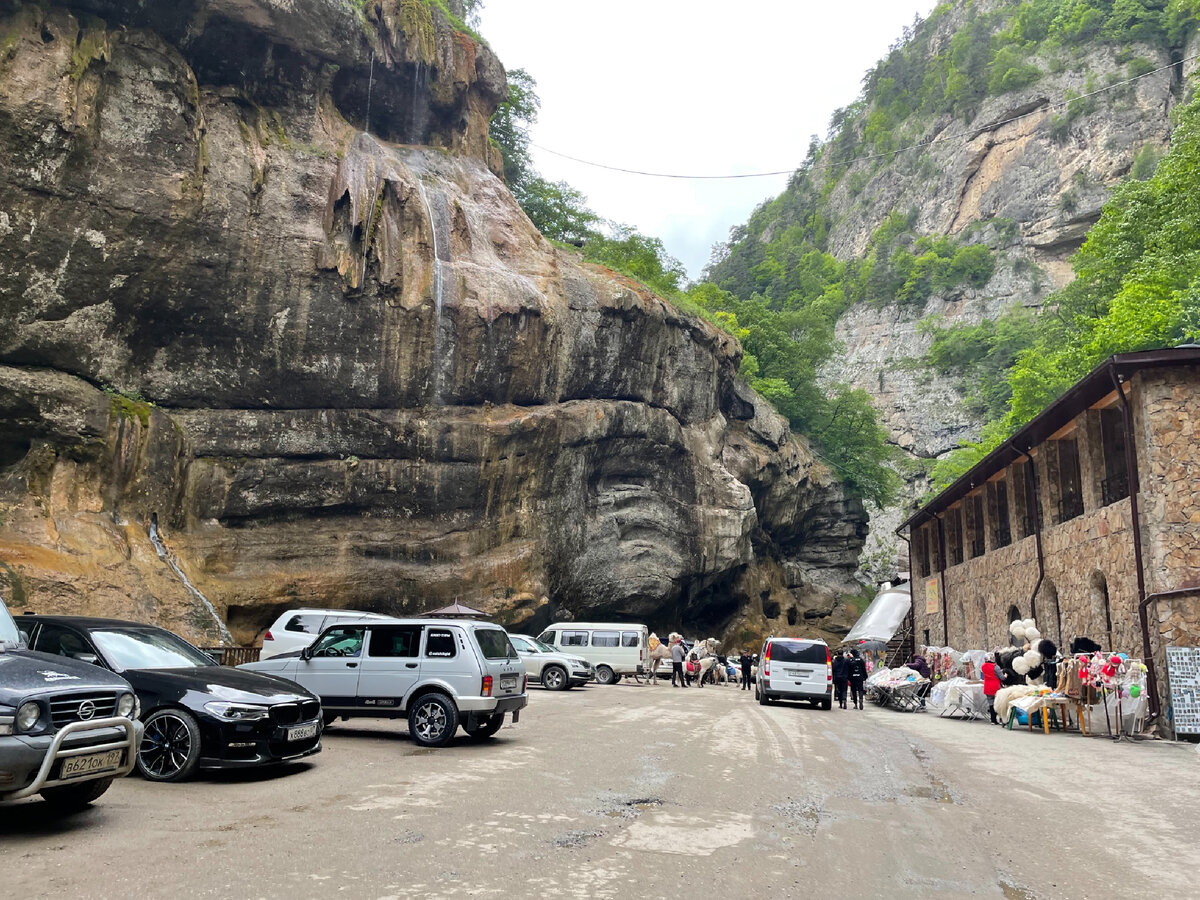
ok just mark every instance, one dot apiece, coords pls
pixel 10 638
pixel 543 648
pixel 145 649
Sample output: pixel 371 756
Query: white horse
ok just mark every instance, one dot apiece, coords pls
pixel 706 657
pixel 659 652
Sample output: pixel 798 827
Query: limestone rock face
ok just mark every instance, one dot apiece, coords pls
pixel 1028 176
pixel 253 356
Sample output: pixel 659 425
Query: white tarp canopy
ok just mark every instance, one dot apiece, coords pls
pixel 883 618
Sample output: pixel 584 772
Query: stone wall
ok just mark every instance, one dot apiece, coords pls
pixel 1090 568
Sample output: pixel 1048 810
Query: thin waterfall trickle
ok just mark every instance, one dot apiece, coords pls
pixel 165 555
pixel 370 84
pixel 366 241
pixel 436 361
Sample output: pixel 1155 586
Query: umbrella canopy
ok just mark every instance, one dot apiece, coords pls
pixel 457 610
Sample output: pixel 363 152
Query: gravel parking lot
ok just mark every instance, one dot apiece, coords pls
pixel 634 791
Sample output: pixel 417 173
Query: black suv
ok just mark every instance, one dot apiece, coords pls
pixel 67 729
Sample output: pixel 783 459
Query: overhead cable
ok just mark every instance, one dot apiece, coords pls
pixel 941 139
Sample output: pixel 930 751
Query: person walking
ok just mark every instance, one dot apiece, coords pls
pixel 747 663
pixel 841 678
pixel 677 656
pixel 857 676
pixel 991 684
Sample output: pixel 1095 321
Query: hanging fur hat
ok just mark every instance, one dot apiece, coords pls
pixel 1047 648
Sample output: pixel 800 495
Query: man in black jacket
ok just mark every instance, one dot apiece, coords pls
pixel 747 663
pixel 858 678
pixel 841 678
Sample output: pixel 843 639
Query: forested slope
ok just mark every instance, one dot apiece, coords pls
pixel 940 211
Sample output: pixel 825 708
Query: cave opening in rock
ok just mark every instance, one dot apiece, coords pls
pixel 792 615
pixel 770 608
pixel 393 104
pixel 13 449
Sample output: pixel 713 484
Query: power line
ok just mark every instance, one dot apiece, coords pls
pixel 944 139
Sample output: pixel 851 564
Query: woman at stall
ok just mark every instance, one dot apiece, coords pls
pixel 991 684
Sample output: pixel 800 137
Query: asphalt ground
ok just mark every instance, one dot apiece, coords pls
pixel 641 791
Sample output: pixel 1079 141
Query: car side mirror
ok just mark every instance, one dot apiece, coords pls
pixel 91 658
pixel 24 636
pixel 306 654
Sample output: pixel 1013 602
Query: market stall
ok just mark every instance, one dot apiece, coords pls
pixel 901 688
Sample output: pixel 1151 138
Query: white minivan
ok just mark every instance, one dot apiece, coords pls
pixel 795 669
pixel 615 649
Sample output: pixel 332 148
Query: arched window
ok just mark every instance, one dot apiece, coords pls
pixel 1014 614
pixel 1049 620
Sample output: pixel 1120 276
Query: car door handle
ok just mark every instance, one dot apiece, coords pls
pixel 351 665
pixel 410 665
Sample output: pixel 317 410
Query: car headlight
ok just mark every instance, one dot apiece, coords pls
pixel 28 715
pixel 127 706
pixel 236 712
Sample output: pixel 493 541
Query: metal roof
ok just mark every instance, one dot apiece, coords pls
pixel 1084 394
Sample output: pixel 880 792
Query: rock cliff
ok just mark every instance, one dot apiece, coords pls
pixel 1028 175
pixel 273 334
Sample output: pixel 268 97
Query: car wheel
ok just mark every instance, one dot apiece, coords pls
pixel 761 696
pixel 554 678
pixel 486 728
pixel 433 720
pixel 605 675
pixel 75 796
pixel 170 748
pixel 329 718
pixel 826 704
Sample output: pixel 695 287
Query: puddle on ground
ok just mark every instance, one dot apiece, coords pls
pixel 1016 892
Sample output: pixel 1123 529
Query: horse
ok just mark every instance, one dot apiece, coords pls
pixel 706 658
pixel 658 653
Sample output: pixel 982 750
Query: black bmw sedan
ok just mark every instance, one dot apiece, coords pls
pixel 196 713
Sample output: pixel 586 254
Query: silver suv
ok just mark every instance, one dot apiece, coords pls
pixel 437 673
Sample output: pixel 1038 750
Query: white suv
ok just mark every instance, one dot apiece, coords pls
pixel 555 671
pixel 439 673
pixel 298 628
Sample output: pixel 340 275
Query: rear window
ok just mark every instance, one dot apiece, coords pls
pixel 572 638
pixel 395 640
pixel 630 639
pixel 798 652
pixel 606 639
pixel 494 643
pixel 307 624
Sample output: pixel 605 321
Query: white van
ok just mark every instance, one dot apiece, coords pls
pixel 795 669
pixel 614 648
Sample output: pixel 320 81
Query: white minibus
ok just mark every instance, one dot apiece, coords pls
pixel 615 649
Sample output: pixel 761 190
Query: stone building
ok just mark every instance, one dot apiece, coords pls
pixel 1044 526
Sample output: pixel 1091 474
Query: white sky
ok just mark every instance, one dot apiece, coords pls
pixel 692 87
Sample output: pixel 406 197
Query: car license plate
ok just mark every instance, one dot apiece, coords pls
pixel 508 683
pixel 75 766
pixel 797 673
pixel 301 732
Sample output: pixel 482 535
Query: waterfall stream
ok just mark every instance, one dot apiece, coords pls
pixel 165 555
pixel 436 361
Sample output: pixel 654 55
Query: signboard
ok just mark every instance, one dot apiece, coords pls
pixel 1183 670
pixel 932 596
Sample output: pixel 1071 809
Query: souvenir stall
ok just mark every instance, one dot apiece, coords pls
pixel 957 691
pixel 1098 692
pixel 900 688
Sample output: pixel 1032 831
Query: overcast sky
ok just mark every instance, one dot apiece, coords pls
pixel 691 87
